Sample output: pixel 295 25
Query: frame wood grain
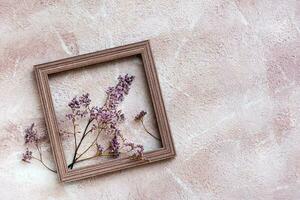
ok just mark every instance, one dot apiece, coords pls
pixel 42 72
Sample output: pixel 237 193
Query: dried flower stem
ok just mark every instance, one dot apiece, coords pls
pixel 155 137
pixel 41 158
pixel 74 132
pixel 52 170
pixel 92 144
pixel 80 142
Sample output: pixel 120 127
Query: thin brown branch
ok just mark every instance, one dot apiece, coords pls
pixel 85 132
pixel 155 137
pixel 74 133
pixel 52 170
pixel 92 144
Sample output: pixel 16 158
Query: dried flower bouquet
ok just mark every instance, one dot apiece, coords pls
pixel 99 120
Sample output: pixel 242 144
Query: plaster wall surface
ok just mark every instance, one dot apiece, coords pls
pixel 230 77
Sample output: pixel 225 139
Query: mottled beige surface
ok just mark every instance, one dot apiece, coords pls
pixel 230 77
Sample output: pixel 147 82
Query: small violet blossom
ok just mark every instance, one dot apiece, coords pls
pixel 31 135
pixel 79 106
pixel 137 151
pixel 116 94
pixel 84 100
pixel 140 115
pixel 27 156
pixel 114 147
pixel 100 149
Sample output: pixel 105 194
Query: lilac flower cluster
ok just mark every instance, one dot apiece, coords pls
pixel 79 106
pixel 114 147
pixel 82 101
pixel 100 149
pixel 140 115
pixel 102 115
pixel 31 135
pixel 137 151
pixel 105 118
pixel 74 104
pixel 27 156
pixel 108 115
pixel 116 94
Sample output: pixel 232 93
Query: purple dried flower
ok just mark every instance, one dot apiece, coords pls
pixel 137 151
pixel 130 145
pixel 81 113
pixel 140 148
pixel 79 106
pixel 74 104
pixel 31 134
pixel 114 147
pixel 94 112
pixel 116 94
pixel 69 116
pixel 108 115
pixel 27 156
pixel 105 116
pixel 99 149
pixel 84 100
pixel 111 129
pixel 125 82
pixel 140 115
pixel 120 116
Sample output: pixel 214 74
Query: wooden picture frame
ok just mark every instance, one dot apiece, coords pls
pixel 142 49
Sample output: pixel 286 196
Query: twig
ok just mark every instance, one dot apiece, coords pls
pixel 89 146
pixel 82 137
pixel 155 137
pixel 52 170
pixel 41 158
pixel 74 132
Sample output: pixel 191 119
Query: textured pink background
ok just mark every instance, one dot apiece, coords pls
pixel 230 77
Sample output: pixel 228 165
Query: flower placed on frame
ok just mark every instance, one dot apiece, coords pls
pixel 114 147
pixel 139 152
pixel 140 118
pixel 136 151
pixel 27 156
pixel 100 149
pixel 103 119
